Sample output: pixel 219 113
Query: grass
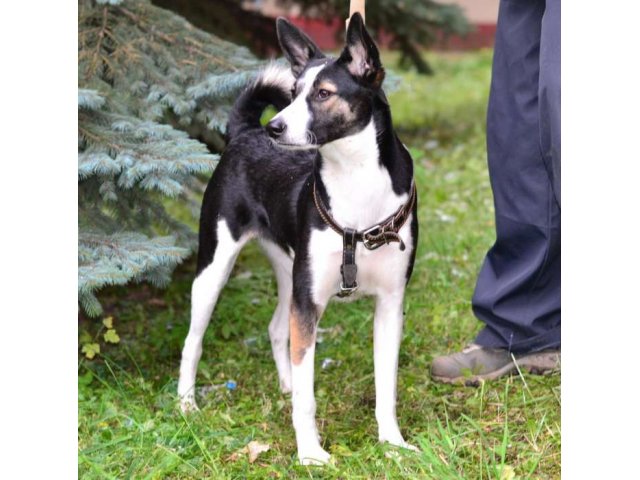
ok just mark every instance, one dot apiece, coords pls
pixel 129 426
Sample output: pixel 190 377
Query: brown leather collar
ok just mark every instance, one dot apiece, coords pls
pixel 382 233
pixel 379 234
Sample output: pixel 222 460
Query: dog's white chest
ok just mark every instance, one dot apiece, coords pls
pixel 381 270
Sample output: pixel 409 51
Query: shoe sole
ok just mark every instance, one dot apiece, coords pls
pixel 543 363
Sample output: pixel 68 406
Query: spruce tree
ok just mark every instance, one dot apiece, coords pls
pixel 146 77
pixel 413 25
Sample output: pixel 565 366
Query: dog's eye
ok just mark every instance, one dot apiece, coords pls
pixel 293 92
pixel 323 94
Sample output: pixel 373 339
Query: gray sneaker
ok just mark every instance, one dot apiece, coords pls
pixel 477 363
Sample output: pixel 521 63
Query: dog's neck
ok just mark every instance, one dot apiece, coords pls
pixel 357 181
pixel 351 155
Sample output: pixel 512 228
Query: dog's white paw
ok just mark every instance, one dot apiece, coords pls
pixel 408 446
pixel 285 385
pixel 314 456
pixel 398 441
pixel 188 404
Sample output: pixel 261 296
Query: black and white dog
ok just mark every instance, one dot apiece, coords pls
pixel 327 189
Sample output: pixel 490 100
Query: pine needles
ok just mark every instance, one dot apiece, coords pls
pixel 144 75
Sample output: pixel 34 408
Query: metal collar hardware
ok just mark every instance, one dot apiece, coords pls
pixel 373 237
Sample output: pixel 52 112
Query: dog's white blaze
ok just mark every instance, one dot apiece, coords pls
pixel 279 327
pixel 204 295
pixel 297 115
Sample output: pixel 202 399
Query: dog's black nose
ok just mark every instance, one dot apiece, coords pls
pixel 276 127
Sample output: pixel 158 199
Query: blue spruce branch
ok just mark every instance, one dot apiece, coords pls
pixel 144 75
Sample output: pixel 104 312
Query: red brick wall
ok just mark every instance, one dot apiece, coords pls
pixel 325 34
pixel 481 36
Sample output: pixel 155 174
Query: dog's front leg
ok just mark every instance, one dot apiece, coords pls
pixel 387 335
pixel 302 327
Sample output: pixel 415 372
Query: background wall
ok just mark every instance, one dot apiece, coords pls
pixel 482 14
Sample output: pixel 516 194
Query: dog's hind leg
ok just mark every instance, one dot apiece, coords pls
pixel 204 295
pixel 279 327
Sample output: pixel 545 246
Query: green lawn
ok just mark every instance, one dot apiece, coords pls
pixel 129 426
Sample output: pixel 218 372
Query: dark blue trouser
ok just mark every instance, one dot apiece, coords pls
pixel 517 293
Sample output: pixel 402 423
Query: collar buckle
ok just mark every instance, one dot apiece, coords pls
pixel 373 237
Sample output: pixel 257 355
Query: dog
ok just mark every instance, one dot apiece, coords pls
pixel 327 189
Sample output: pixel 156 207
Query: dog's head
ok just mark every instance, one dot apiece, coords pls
pixel 331 98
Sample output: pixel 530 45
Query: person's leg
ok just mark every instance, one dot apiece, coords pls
pixel 549 93
pixel 517 293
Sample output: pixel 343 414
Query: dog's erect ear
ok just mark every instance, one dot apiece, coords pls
pixel 361 56
pixel 297 47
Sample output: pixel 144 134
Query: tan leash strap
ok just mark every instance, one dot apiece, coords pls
pixel 355 6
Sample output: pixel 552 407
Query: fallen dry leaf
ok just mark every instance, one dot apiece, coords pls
pixel 255 449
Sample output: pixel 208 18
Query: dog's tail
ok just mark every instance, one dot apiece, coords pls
pixel 271 87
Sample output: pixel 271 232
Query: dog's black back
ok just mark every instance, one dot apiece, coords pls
pixel 256 184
